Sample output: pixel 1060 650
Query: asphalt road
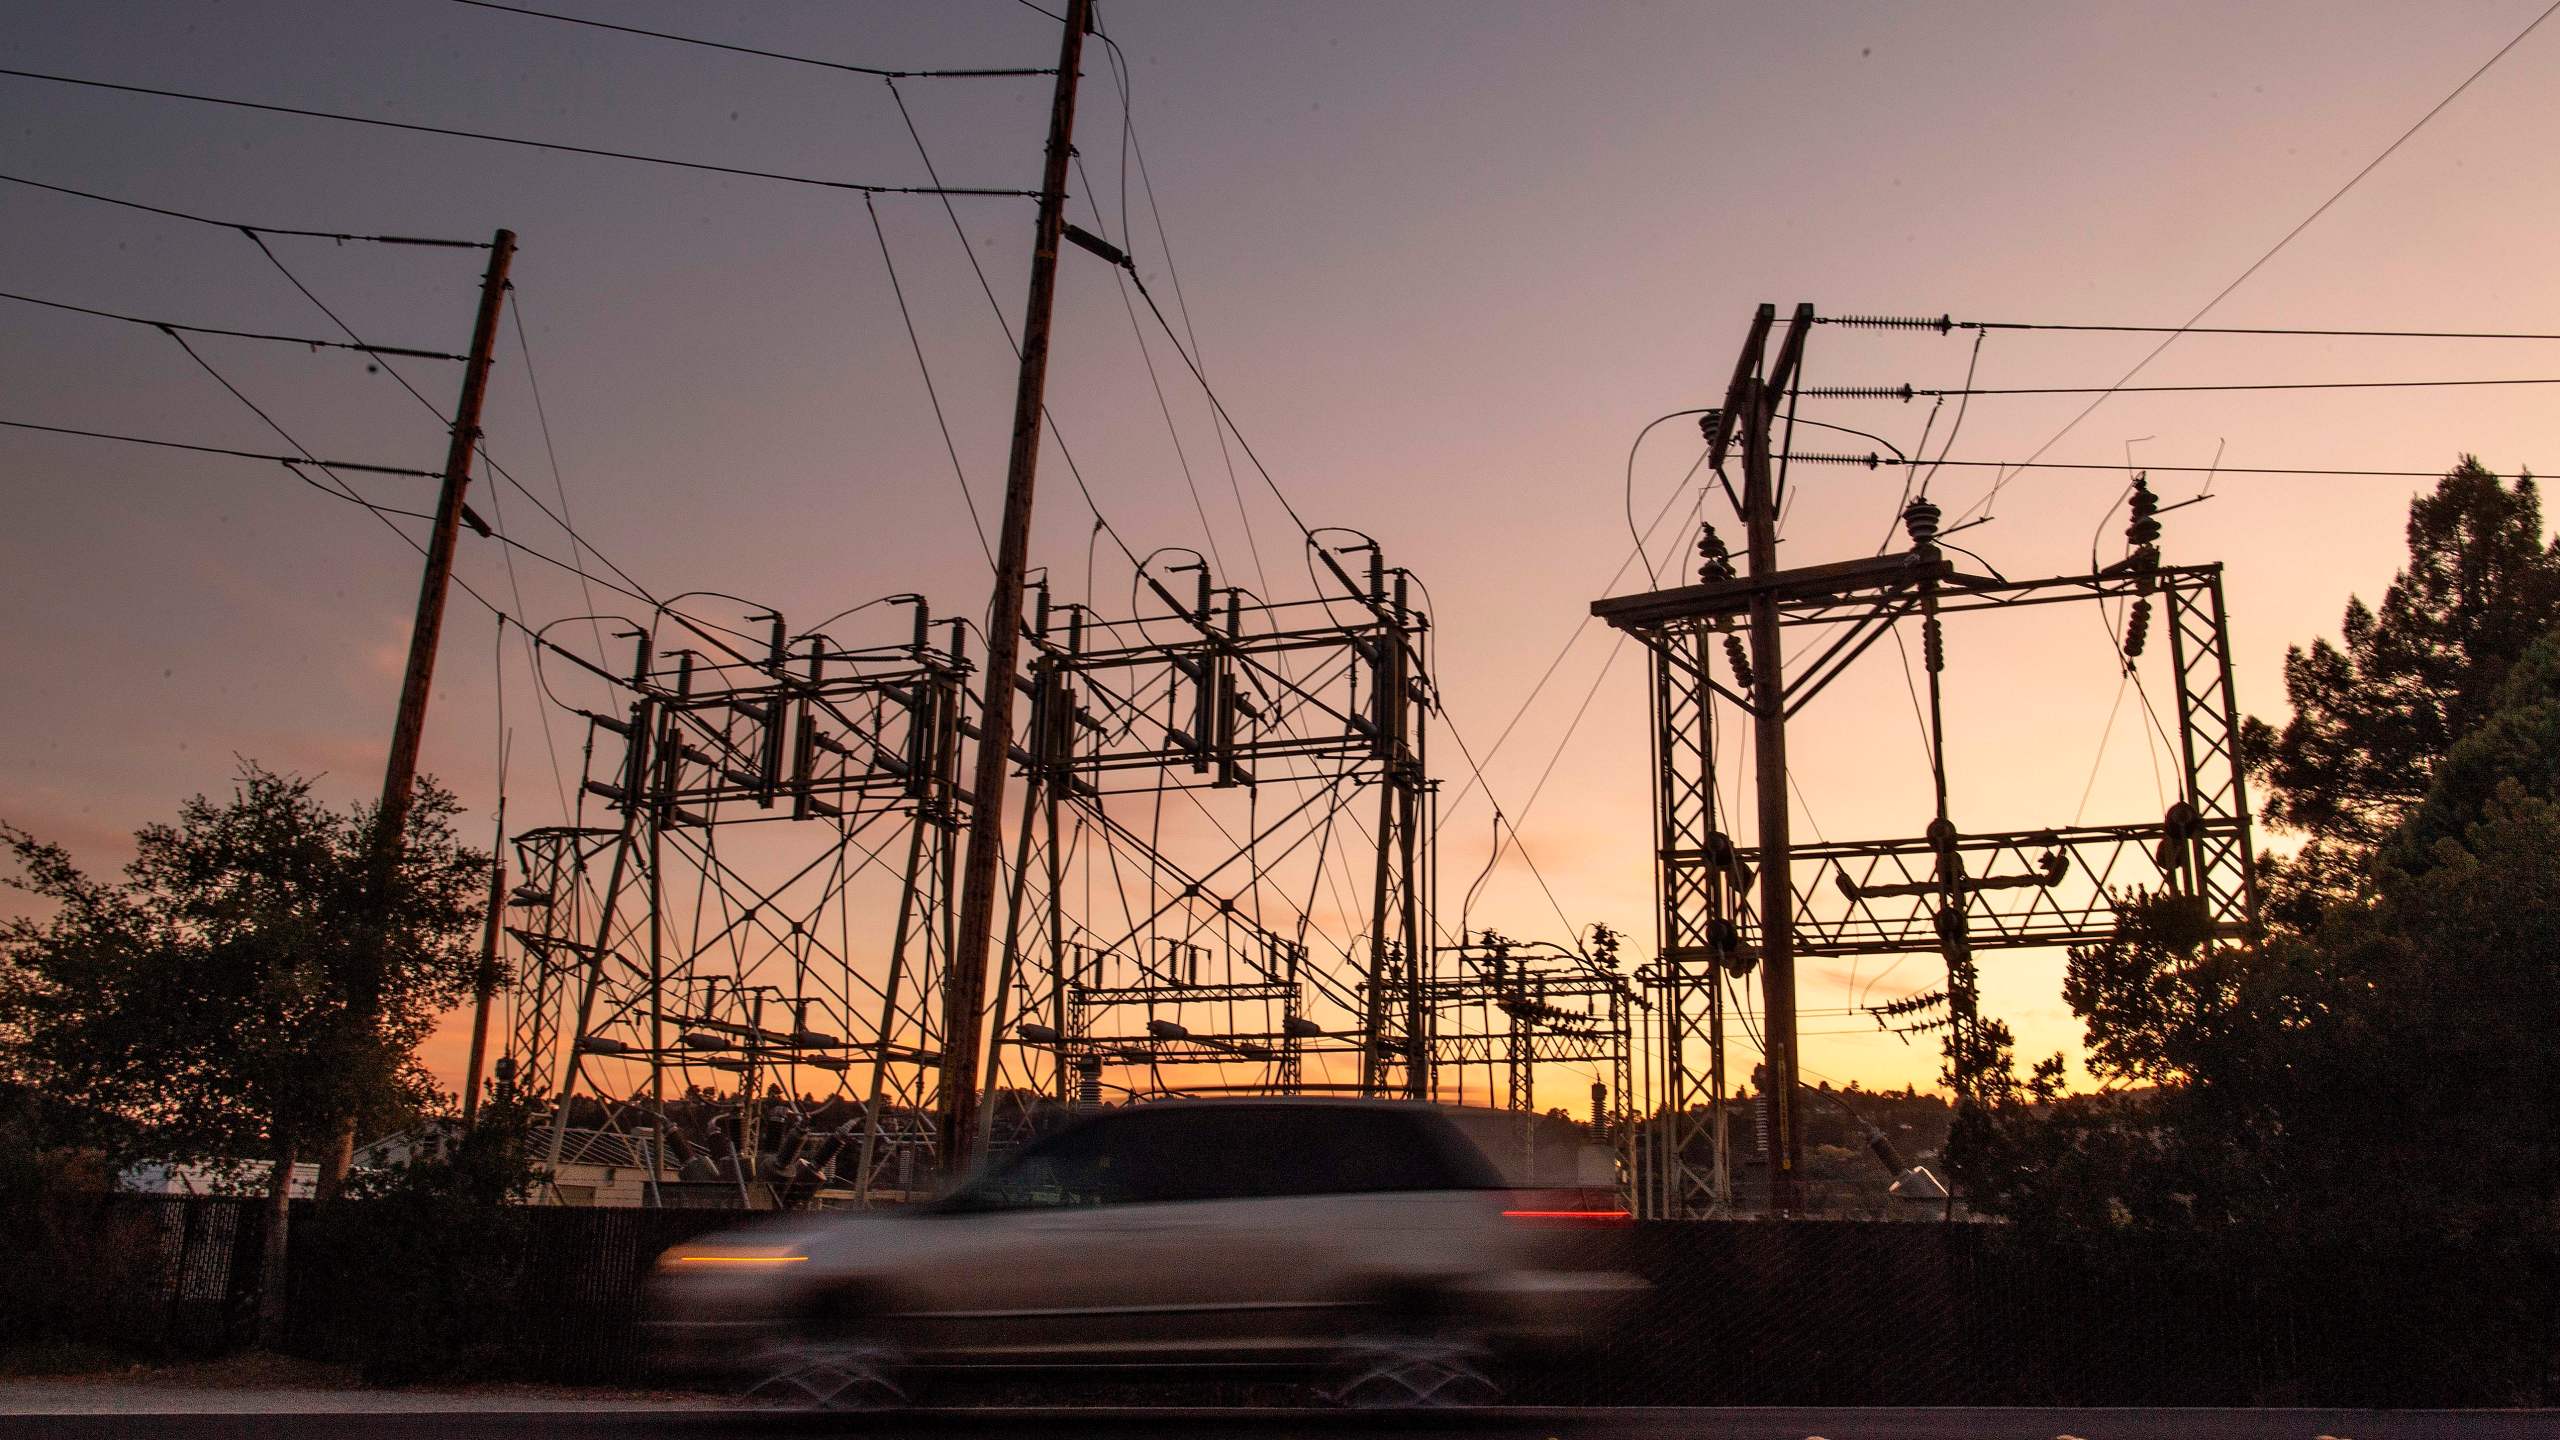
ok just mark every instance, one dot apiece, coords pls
pixel 1664 1424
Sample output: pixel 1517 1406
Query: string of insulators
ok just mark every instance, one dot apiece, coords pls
pixel 1942 324
pixel 1909 1004
pixel 1920 518
pixel 2142 534
pixel 1715 561
pixel 1871 460
pixel 1902 392
pixel 1736 656
pixel 2143 529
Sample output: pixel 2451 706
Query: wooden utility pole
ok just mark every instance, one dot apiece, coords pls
pixel 1759 398
pixel 400 776
pixel 965 986
pixel 484 985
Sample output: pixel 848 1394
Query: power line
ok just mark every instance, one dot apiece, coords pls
pixel 751 50
pixel 1146 356
pixel 961 233
pixel 233 334
pixel 1873 462
pixel 295 462
pixel 344 490
pixel 579 545
pixel 1984 504
pixel 1129 131
pixel 1216 404
pixel 1942 324
pixel 559 486
pixel 1641 551
pixel 1908 393
pixel 304 459
pixel 518 140
pixel 932 395
pixel 234 225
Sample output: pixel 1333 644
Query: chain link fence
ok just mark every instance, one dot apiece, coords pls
pixel 1736 1313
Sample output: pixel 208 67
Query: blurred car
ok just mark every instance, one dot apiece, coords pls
pixel 1370 1241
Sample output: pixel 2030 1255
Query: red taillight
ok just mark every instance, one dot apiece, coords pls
pixel 1566 1208
pixel 1570 1217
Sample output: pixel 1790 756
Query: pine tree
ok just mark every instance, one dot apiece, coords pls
pixel 2374 716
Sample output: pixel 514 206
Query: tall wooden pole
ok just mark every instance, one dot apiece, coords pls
pixel 400 775
pixel 1769 733
pixel 965 987
pixel 484 984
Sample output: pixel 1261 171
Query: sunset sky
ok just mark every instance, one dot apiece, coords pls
pixel 1443 261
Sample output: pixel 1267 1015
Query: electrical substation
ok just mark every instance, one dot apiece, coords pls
pixel 1221 877
pixel 836 910
pixel 1730 911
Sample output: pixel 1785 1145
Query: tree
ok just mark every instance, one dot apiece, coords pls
pixel 201 1004
pixel 2373 717
pixel 2387 1073
pixel 2379 1062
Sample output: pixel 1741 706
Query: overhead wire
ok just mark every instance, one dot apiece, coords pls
pixel 978 74
pixel 1873 462
pixel 959 472
pixel 339 236
pixel 580 547
pixel 515 591
pixel 1581 626
pixel 515 588
pixel 559 484
pixel 452 132
pixel 1945 324
pixel 976 268
pixel 1120 69
pixel 1164 407
pixel 338 488
pixel 1983 505
pixel 1132 149
pixel 288 460
pixel 1955 426
pixel 1102 522
pixel 1907 393
pixel 1285 504
pixel 343 489
pixel 302 340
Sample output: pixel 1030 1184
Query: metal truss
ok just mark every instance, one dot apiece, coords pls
pixel 1511 1007
pixel 548 920
pixel 1949 892
pixel 1700 896
pixel 773 909
pixel 752 964
pixel 1256 727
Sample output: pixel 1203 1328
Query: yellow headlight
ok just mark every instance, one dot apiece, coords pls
pixel 700 1255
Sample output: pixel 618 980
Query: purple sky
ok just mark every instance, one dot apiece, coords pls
pixel 1443 262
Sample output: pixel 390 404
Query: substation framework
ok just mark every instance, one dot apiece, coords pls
pixel 1512 1007
pixel 1219 692
pixel 1945 892
pixel 653 954
pixel 658 961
